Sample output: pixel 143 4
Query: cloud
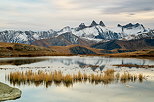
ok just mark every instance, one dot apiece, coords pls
pixel 132 6
pixel 116 6
pixel 58 13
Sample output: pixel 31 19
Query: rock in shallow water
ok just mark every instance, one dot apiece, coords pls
pixel 8 93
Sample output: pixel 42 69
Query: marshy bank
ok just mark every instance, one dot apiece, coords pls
pixel 58 77
pixel 135 65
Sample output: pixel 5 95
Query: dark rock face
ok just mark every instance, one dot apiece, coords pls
pixel 81 50
pixel 81 26
pixel 93 24
pixel 150 42
pixel 130 25
pixel 119 25
pixel 8 93
pixel 130 45
pixel 107 45
pixel 62 40
pixel 102 24
pixel 108 35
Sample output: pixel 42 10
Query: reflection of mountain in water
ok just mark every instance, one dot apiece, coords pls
pixel 93 67
pixel 141 62
pixel 95 63
pixel 18 62
pixel 100 62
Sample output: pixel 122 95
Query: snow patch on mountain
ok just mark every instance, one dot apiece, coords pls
pixel 26 37
pixel 94 31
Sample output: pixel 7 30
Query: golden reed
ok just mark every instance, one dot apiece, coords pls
pixel 58 78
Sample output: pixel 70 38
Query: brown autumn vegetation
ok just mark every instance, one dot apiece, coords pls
pixel 58 77
pixel 149 53
pixel 134 65
pixel 66 49
pixel 24 50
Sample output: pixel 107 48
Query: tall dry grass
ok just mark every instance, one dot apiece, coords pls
pixel 58 78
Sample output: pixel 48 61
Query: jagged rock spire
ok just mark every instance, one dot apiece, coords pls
pixel 82 26
pixel 101 23
pixel 119 25
pixel 93 24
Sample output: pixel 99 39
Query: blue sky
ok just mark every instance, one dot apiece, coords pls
pixel 55 14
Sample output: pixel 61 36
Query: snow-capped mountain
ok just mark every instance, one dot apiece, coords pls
pixel 101 32
pixel 94 31
pixel 63 40
pixel 133 31
pixel 26 37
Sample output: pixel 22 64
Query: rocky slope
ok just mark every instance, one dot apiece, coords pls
pixel 63 40
pixel 25 50
pixel 138 44
pixel 17 50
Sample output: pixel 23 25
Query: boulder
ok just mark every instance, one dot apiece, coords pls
pixel 8 93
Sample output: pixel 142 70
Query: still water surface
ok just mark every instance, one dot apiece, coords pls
pixel 81 92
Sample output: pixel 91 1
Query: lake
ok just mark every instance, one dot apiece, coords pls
pixel 80 91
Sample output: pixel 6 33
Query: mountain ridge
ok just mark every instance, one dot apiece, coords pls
pixel 94 32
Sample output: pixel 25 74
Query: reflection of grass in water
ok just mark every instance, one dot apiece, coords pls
pixel 58 78
pixel 128 77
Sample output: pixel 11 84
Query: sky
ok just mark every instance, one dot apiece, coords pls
pixel 56 14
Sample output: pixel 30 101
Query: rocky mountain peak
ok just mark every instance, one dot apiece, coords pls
pixel 51 30
pixel 101 23
pixel 119 25
pixel 66 29
pixel 81 26
pixel 96 32
pixel 93 24
pixel 130 25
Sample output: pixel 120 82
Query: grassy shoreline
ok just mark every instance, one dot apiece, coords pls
pixel 123 55
pixel 134 65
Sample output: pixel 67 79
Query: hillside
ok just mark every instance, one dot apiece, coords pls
pixel 138 44
pixel 15 49
pixel 75 49
pixel 137 54
pixel 19 50
pixel 63 40
pixel 24 50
